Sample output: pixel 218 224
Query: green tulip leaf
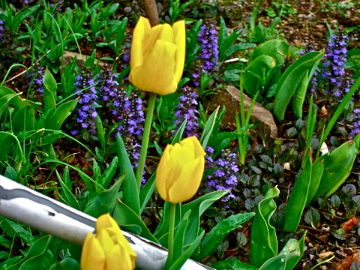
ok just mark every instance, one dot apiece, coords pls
pixel 198 207
pixel 258 73
pixel 288 258
pixel 130 187
pixel 187 252
pixel 290 81
pixel 24 119
pixel 306 185
pixel 276 48
pixel 54 118
pixel 233 263
pixel 66 264
pixel 218 233
pixel 105 201
pixel 209 127
pixel 131 221
pixel 109 173
pixel 337 167
pixel 147 191
pixel 264 244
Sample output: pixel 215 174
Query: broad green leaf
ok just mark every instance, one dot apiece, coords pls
pixel 24 119
pixel 290 80
pixel 337 167
pixel 49 94
pixel 66 186
pixel 5 101
pixel 100 132
pixel 179 133
pixel 209 127
pixel 109 173
pixel 147 191
pixel 288 258
pixel 264 243
pixel 256 74
pixel 233 263
pixel 188 252
pixel 179 236
pixel 130 187
pixel 38 256
pixel 66 264
pixel 54 118
pixel 218 233
pixel 276 48
pixel 131 221
pixel 306 185
pixel 103 202
pixel 16 101
pixel 198 207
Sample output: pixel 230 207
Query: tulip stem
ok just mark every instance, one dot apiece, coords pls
pixel 145 138
pixel 172 215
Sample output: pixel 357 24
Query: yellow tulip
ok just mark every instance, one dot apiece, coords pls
pixel 180 170
pixel 157 56
pixel 108 249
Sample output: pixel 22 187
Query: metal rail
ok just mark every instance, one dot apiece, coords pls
pixel 27 206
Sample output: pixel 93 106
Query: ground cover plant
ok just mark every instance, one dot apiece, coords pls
pixel 227 133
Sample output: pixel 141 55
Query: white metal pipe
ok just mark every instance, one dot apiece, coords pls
pixel 27 206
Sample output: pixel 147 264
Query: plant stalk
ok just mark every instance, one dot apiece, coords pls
pixel 170 257
pixel 145 138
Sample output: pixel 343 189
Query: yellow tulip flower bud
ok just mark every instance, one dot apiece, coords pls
pixel 108 249
pixel 180 170
pixel 157 56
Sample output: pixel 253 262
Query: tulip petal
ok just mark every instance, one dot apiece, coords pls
pixel 162 173
pixel 116 259
pixel 141 29
pixel 92 256
pixel 180 41
pixel 194 144
pixel 188 182
pixel 156 75
pixel 160 32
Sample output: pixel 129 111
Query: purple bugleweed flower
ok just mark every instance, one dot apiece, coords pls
pixel 1 30
pixel 356 123
pixel 209 57
pixel 124 109
pixel 208 39
pixel 86 112
pixel 187 109
pixel 333 71
pixel 225 170
pixel 38 80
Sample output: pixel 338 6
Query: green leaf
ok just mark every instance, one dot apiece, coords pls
pixel 337 167
pixel 198 207
pixel 264 244
pixel 66 186
pixel 5 101
pixel 179 133
pixel 147 191
pixel 209 127
pixel 256 74
pixel 24 119
pixel 288 258
pixel 131 221
pixel 38 256
pixel 103 202
pixel 276 48
pixel 49 94
pixel 66 264
pixel 130 187
pixel 299 195
pixel 187 253
pixel 233 263
pixel 54 118
pixel 218 233
pixel 290 80
pixel 100 132
pixel 109 173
